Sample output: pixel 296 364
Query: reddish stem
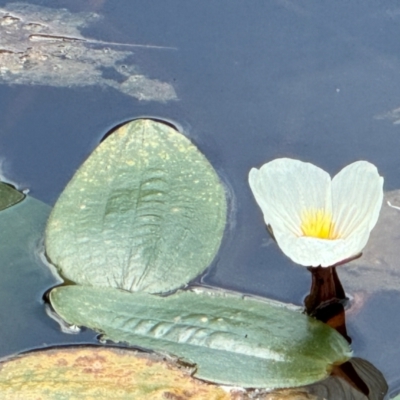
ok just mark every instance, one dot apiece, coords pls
pixel 327 298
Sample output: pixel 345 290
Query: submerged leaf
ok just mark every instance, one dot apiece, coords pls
pixel 98 373
pixel 231 339
pixel 23 276
pixel 9 196
pixel 355 380
pixel 146 212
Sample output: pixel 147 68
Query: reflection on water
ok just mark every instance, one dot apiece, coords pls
pixel 378 268
pixel 279 79
pixel 356 378
pixel 392 115
pixel 44 46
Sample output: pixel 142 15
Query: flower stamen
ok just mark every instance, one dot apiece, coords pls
pixel 317 223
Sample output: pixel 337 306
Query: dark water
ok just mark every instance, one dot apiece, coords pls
pixel 255 81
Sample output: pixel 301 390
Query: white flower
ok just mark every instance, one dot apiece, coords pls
pixel 316 220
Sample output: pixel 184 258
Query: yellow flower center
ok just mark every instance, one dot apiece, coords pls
pixel 317 223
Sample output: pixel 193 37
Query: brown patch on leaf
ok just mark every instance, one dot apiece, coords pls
pixel 99 373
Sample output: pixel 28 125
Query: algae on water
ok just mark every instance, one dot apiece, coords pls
pixel 45 46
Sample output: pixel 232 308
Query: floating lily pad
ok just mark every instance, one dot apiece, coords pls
pixel 9 196
pixel 231 339
pixel 146 212
pixel 99 373
pixel 21 229
pixel 23 276
pixel 290 394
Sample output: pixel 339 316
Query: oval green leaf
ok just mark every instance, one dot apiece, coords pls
pixel 9 196
pixel 145 212
pixel 232 340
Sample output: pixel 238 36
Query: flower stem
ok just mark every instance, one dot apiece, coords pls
pixel 327 299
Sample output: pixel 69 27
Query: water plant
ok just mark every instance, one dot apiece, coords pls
pixel 316 220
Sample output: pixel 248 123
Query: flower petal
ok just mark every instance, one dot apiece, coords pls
pixel 285 188
pixel 314 252
pixel 357 195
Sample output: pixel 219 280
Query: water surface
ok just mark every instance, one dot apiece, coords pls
pixel 253 81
